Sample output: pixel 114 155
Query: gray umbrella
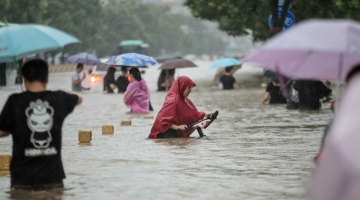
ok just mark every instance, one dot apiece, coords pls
pixel 85 58
pixel 177 63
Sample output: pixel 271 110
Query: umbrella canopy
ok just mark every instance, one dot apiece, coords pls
pixel 85 58
pixel 166 58
pixel 177 63
pixel 314 49
pixel 22 40
pixel 225 62
pixel 337 173
pixel 131 59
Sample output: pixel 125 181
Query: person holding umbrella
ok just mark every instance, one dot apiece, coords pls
pixel 167 75
pixel 169 79
pixel 166 79
pixel 161 80
pixel 227 81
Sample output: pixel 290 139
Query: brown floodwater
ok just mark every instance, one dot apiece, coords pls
pixel 252 151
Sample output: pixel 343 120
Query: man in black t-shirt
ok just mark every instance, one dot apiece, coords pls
pixel 34 118
pixel 273 92
pixel 227 80
pixel 122 81
pixel 310 92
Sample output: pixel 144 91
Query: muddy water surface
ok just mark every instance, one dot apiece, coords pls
pixel 251 151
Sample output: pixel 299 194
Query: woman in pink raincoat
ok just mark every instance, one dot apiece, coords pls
pixel 137 94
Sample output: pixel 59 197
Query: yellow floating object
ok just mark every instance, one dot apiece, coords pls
pixel 85 136
pixel 126 123
pixel 5 164
pixel 107 129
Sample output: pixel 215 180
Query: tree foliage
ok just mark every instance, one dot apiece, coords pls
pixel 14 12
pixel 157 26
pixel 101 27
pixel 238 17
pixel 79 18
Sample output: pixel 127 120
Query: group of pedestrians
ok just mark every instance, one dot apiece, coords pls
pixel 121 83
pixel 303 94
pixel 34 119
pixel 307 94
pixel 136 93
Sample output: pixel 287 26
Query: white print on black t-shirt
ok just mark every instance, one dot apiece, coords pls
pixel 40 152
pixel 40 121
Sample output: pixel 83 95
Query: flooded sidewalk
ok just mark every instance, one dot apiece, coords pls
pixel 252 151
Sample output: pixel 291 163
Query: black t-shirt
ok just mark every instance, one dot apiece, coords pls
pixel 35 121
pixel 310 92
pixel 275 94
pixel 107 81
pixel 122 82
pixel 227 81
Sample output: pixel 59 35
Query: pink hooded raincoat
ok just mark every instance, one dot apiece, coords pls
pixel 137 96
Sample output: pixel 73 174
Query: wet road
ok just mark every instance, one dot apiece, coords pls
pixel 251 151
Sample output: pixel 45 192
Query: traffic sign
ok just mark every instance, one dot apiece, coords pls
pixel 288 23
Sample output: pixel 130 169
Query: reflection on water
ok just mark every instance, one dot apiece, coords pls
pixel 179 142
pixel 252 151
pixel 54 194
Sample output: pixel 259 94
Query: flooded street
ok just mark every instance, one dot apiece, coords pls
pixel 252 151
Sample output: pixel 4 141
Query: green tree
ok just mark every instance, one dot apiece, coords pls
pixel 4 4
pixel 79 18
pixel 237 18
pixel 23 11
pixel 101 27
pixel 154 25
pixel 119 23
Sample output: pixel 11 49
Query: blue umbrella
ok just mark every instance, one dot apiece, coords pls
pixel 131 59
pixel 19 41
pixel 225 62
pixel 85 58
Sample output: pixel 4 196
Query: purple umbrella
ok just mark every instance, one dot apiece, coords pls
pixel 337 174
pixel 85 58
pixel 313 49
